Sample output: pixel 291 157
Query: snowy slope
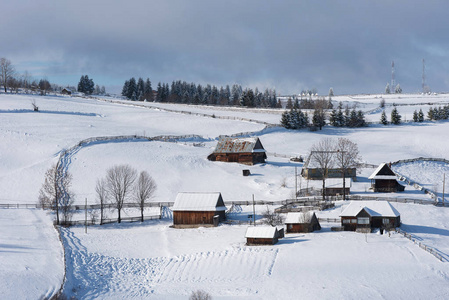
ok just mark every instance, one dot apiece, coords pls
pixel 153 260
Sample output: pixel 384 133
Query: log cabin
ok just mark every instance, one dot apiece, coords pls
pixel 261 235
pixel 383 179
pixel 298 222
pixel 248 151
pixel 198 209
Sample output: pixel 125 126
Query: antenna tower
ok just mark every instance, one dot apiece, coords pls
pixel 393 83
pixel 423 75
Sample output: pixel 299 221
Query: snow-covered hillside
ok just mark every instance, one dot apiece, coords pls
pixel 153 260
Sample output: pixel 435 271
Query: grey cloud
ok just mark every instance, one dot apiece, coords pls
pixel 290 45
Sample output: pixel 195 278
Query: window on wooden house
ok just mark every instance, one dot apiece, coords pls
pixel 363 221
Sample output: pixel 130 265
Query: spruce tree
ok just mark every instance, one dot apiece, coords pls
pixel 420 116
pixel 383 118
pixel 395 116
pixel 361 119
pixel 387 89
pixel 285 119
pixel 148 91
pixel 415 116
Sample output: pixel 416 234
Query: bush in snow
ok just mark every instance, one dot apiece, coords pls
pixel 200 295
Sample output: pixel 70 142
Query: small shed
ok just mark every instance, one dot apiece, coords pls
pixel 360 215
pixel 334 186
pixel 311 170
pixel 248 151
pixel 261 235
pixel 66 91
pixel 302 222
pixel 198 209
pixel 383 179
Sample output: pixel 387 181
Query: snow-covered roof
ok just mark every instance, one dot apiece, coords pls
pixel 238 145
pixel 199 202
pixel 386 173
pixel 338 182
pixel 261 232
pixel 373 208
pixel 299 217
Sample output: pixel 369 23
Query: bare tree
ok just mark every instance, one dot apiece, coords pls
pixel 347 157
pixel 7 71
pixel 272 218
pixel 119 182
pixel 102 194
pixel 200 295
pixel 145 188
pixel 55 193
pixel 322 155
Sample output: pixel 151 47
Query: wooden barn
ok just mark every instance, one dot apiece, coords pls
pixel 262 235
pixel 298 222
pixel 66 91
pixel 334 186
pixel 366 215
pixel 198 209
pixel 311 170
pixel 248 151
pixel 384 180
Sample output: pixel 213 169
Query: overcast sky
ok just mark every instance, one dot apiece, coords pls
pixel 286 45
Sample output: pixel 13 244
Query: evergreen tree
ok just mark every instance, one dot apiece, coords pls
pixel 140 89
pixel 159 92
pixel 395 116
pixel 285 119
pixel 331 93
pixel 289 103
pixel 148 91
pixel 415 116
pixel 318 118
pixel 132 89
pixel 387 89
pixel 296 104
pixel 398 89
pixel 333 118
pixel 420 116
pixel 361 119
pixel 383 118
pixel 430 114
pixel 86 85
pixel 125 88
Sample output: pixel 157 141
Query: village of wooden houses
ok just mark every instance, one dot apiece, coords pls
pixel 364 214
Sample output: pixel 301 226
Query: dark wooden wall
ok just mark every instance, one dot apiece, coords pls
pixel 196 217
pixel 259 241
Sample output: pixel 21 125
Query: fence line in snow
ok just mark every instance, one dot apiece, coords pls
pixel 429 249
pixel 415 184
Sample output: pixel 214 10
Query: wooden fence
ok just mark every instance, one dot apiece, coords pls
pixel 429 249
pixel 110 221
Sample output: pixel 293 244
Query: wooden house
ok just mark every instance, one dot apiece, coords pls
pixel 311 170
pixel 66 91
pixel 302 222
pixel 262 235
pixel 383 179
pixel 248 151
pixel 334 186
pixel 366 215
pixel 198 209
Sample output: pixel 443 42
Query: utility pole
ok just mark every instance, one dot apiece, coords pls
pixel 296 184
pixel 254 212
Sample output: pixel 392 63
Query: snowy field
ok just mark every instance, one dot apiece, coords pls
pixel 156 261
